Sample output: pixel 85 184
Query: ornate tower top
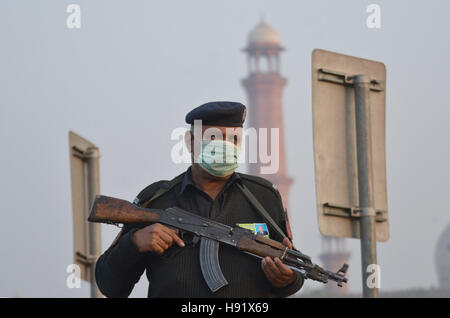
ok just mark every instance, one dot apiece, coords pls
pixel 263 36
pixel 263 50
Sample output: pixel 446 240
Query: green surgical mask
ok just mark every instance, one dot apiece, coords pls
pixel 218 157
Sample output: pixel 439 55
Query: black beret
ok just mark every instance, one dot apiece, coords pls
pixel 218 114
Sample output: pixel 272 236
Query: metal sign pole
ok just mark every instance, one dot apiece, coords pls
pixel 365 181
pixel 92 155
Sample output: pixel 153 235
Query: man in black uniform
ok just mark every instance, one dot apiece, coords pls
pixel 210 189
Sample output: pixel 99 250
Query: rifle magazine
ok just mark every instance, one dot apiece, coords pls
pixel 209 263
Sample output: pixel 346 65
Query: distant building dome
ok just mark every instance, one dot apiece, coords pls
pixel 263 35
pixel 442 258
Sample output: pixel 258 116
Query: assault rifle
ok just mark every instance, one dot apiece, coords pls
pixel 210 233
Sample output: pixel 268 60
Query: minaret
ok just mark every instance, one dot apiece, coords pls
pixel 442 260
pixel 264 86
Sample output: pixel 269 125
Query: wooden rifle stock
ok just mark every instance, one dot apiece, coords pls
pixel 113 211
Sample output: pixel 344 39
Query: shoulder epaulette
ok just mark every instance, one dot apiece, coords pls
pixel 148 192
pixel 261 181
pixel 156 189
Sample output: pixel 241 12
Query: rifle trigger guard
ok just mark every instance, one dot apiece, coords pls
pixel 189 238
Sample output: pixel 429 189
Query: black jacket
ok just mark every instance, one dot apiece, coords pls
pixel 177 273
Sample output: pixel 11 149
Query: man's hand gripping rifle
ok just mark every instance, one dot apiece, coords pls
pixel 210 233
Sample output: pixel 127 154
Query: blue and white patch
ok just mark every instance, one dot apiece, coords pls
pixel 256 228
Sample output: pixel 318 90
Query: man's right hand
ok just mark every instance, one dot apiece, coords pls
pixel 156 238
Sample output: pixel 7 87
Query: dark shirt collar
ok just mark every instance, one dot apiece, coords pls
pixel 187 181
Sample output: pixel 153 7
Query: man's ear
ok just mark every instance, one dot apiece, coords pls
pixel 188 140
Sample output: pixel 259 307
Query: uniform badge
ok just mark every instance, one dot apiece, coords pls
pixel 256 228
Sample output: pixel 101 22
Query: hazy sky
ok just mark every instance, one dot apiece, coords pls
pixel 127 78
